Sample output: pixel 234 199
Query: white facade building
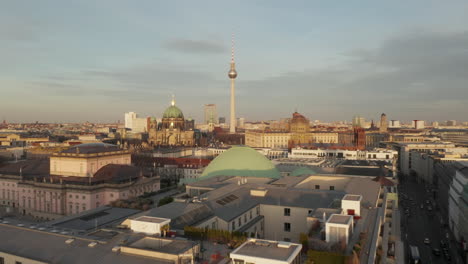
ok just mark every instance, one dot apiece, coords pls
pixel 339 228
pixel 149 225
pixel 458 203
pixel 418 124
pixel 136 124
pixel 261 251
pixel 129 119
pixel 351 204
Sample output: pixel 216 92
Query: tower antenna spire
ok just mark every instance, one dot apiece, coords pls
pixel 232 48
pixel 173 100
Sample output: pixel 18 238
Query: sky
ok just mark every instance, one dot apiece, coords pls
pixel 88 60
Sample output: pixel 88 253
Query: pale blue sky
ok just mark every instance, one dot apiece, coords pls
pixel 94 60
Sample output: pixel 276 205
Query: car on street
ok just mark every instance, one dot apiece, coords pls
pixel 422 206
pixel 427 241
pixel 443 244
pixel 429 208
pixel 436 251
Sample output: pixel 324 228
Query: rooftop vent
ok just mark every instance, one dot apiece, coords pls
pixel 92 244
pixel 69 241
pixel 258 192
pixel 284 245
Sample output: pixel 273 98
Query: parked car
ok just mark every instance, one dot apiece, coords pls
pixel 436 251
pixel 427 241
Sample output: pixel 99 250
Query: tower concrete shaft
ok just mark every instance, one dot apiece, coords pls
pixel 232 74
pixel 232 127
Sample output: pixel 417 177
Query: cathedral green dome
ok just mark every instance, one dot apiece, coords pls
pixel 241 161
pixel 302 171
pixel 173 112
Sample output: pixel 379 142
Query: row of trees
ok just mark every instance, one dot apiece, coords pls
pixel 133 203
pixel 234 239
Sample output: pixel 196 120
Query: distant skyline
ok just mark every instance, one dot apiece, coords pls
pixel 76 61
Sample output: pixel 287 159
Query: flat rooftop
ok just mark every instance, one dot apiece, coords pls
pixel 51 248
pixel 151 219
pixel 339 219
pixel 163 245
pixel 268 249
pixel 352 197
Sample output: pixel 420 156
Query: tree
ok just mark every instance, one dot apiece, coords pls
pixel 165 200
pixel 304 240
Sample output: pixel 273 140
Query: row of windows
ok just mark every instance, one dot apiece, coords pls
pixel 2 261
pixel 239 220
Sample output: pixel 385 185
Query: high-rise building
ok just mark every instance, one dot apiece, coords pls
pixel 383 123
pixel 232 75
pixel 435 124
pixel 418 124
pixel 395 124
pixel 359 121
pixel 211 115
pixel 136 124
pixel 129 119
pixel 241 122
pixel 222 120
pixel 451 123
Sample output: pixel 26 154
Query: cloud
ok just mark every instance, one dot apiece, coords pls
pixel 194 46
pixel 412 75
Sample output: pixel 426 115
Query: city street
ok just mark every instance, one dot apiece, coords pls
pixel 420 223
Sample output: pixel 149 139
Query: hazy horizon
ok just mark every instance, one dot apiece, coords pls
pixel 95 60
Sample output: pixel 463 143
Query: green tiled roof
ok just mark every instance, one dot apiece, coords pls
pixel 173 112
pixel 302 171
pixel 241 161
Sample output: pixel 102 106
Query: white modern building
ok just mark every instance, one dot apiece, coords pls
pixel 149 225
pixel 458 204
pixel 418 124
pixel 261 251
pixel 339 228
pixel 135 123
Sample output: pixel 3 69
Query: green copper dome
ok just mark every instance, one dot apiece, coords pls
pixel 241 161
pixel 302 171
pixel 173 112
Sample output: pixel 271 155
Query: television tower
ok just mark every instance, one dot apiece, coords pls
pixel 232 75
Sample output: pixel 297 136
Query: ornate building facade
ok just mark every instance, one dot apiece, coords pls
pixel 299 127
pixel 172 130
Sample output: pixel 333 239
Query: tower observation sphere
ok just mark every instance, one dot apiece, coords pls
pixel 232 73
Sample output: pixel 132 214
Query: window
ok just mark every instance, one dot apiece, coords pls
pixel 84 197
pixel 213 225
pixel 332 188
pixel 18 262
pixel 317 187
pixel 240 221
pixel 310 211
pixel 2 260
pixel 111 195
pixel 287 211
pixel 287 227
pixel 258 210
pixel 250 214
pixel 233 225
pixel 245 218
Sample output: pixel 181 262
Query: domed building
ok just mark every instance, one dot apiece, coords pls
pixel 171 131
pixel 241 161
pixel 300 130
pixel 301 171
